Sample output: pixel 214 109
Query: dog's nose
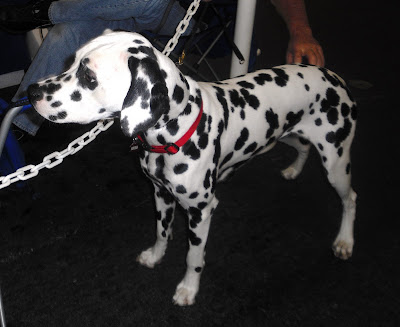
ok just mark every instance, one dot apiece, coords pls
pixel 35 93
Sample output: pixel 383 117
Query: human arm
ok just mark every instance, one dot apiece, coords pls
pixel 301 43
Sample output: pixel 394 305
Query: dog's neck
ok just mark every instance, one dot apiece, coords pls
pixel 185 103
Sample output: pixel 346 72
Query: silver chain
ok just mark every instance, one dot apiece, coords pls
pixel 55 158
pixel 183 25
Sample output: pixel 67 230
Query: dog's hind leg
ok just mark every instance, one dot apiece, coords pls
pixel 303 147
pixel 199 224
pixel 165 206
pixel 338 169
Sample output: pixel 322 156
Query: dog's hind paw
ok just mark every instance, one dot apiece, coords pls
pixel 290 173
pixel 342 249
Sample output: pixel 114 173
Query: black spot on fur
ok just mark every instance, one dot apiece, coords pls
pixel 226 159
pixel 148 51
pixel 345 109
pixel 178 94
pixel 202 124
pixel 251 99
pixel 158 215
pixel 195 216
pixel 333 116
pixel 246 84
pixel 318 122
pixel 159 173
pixel 273 122
pixel 201 205
pixel 161 139
pixel 250 148
pixel 354 112
pixel 180 168
pixel 188 109
pixel 173 126
pixel 163 74
pixel 236 99
pixel 194 240
pixel 340 135
pixel 217 143
pixel 221 98
pixel 52 88
pixel 165 195
pixel 193 195
pixel 292 119
pixel 331 100
pixel 262 78
pixel 181 189
pixel 348 168
pixel 190 149
pixel 76 96
pixel 203 141
pixel 60 77
pixel 331 78
pixel 244 135
pixel 282 78
pixel 183 79
pixel 206 182
pixel 56 104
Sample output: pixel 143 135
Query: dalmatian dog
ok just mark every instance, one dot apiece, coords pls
pixel 191 135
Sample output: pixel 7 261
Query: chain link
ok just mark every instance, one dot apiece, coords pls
pixel 55 158
pixel 183 25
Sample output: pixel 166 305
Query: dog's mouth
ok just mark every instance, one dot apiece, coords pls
pixel 115 114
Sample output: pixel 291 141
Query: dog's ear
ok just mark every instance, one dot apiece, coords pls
pixel 147 98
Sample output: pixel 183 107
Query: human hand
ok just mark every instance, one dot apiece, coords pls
pixel 302 44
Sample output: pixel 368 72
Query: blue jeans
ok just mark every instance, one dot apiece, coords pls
pixel 77 22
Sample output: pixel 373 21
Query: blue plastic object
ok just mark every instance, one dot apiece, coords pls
pixel 12 157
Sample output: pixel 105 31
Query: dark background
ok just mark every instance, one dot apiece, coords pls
pixel 68 241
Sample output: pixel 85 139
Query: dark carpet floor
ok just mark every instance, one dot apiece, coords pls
pixel 68 241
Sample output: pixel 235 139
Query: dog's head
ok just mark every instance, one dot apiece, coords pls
pixel 115 75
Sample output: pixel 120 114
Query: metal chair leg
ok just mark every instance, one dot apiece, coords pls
pixel 2 317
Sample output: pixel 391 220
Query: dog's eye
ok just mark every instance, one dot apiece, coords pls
pixel 89 75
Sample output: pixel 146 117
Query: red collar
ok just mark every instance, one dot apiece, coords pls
pixel 170 148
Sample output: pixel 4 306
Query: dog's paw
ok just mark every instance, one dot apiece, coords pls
pixel 184 295
pixel 342 249
pixel 148 258
pixel 290 173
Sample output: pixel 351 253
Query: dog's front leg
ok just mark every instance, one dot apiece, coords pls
pixel 165 206
pixel 199 224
